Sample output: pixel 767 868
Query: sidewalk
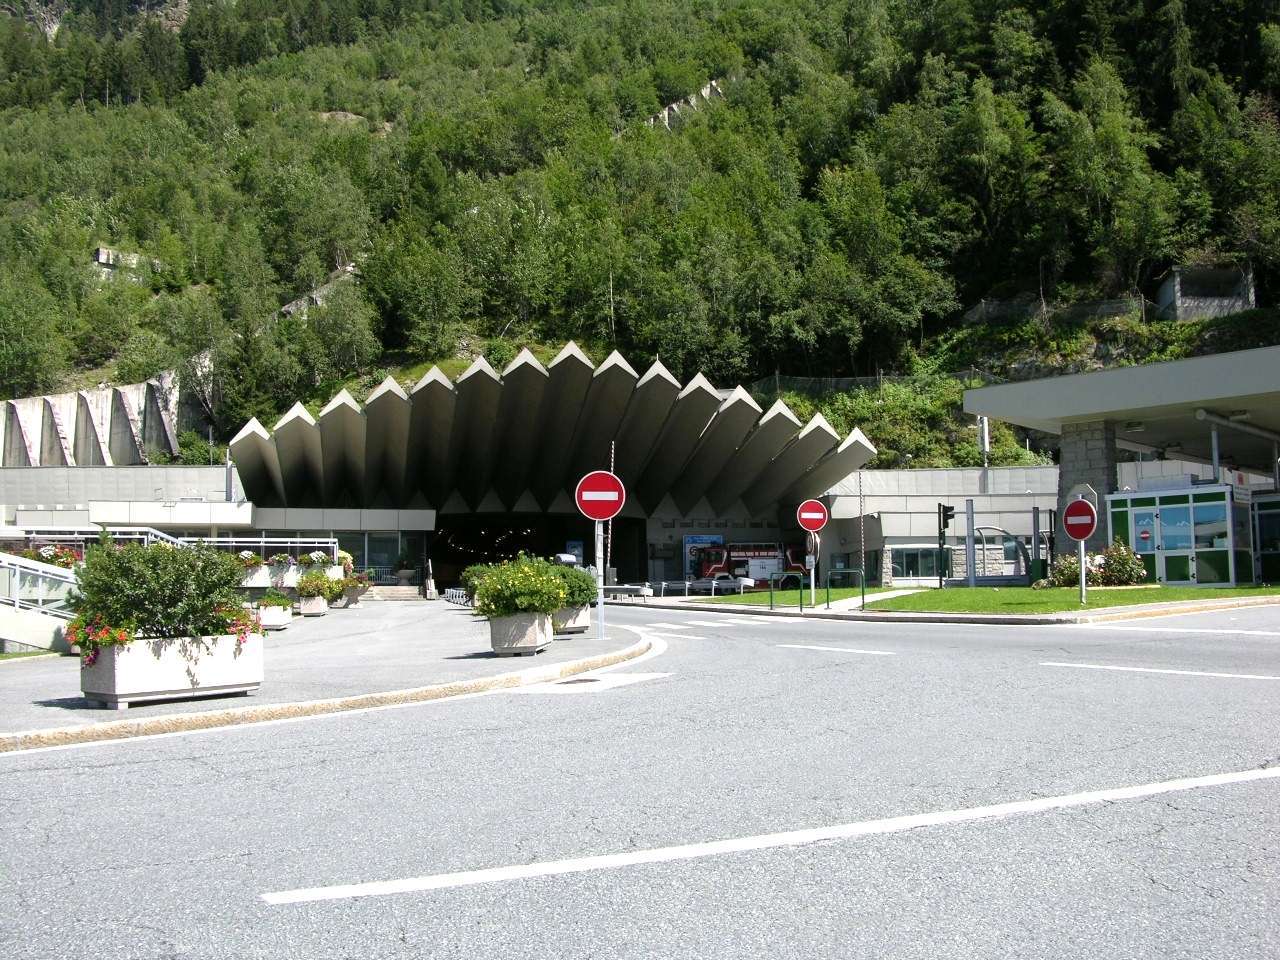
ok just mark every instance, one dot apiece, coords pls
pixel 377 647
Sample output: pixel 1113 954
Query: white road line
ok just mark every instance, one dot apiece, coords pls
pixel 677 636
pixel 806 646
pixel 665 626
pixel 1159 629
pixel 708 623
pixel 1179 673
pixel 793 838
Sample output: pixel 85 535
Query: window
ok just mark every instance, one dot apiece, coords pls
pixel 1210 526
pixel 1269 532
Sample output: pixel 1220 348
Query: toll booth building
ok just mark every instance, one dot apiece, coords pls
pixel 1219 525
pixel 482 468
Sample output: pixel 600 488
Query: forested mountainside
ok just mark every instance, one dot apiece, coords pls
pixel 477 176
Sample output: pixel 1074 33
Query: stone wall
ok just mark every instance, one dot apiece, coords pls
pixel 1088 455
pixel 989 561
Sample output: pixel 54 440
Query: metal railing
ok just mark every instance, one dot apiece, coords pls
pixel 267 546
pixel 737 584
pixel 852 571
pixel 778 578
pixel 86 535
pixel 32 585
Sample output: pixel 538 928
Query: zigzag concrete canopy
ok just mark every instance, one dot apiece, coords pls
pixel 521 439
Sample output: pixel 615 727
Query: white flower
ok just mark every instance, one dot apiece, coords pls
pixel 246 554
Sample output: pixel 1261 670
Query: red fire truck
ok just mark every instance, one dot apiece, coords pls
pixel 756 561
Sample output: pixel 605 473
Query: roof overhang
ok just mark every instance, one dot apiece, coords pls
pixel 1168 407
pixel 522 438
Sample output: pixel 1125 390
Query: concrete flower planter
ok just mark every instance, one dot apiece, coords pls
pixel 403 578
pixel 313 606
pixel 571 619
pixel 275 618
pixel 185 667
pixel 352 595
pixel 284 577
pixel 259 576
pixel 520 634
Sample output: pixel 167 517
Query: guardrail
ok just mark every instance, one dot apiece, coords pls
pixel 727 586
pixel 32 585
pixel 457 595
pixel 85 535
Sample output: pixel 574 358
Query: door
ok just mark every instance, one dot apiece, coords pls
pixel 1144 540
pixel 1175 560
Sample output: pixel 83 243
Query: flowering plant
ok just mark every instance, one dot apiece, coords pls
pixel 523 585
pixel 580 586
pixel 155 591
pixel 274 598
pixel 313 584
pixel 348 562
pixel 1117 566
pixel 249 559
pixel 55 554
pixel 280 560
pixel 316 558
pixel 90 634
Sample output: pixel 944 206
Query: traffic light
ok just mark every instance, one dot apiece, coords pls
pixel 945 515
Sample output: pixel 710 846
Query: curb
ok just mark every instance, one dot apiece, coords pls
pixel 989 619
pixel 239 716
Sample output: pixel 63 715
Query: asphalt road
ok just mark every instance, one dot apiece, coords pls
pixel 241 843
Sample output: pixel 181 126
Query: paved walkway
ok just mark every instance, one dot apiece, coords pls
pixel 379 646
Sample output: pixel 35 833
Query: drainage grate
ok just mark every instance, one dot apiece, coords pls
pixel 580 680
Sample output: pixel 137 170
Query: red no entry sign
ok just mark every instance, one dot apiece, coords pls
pixel 600 495
pixel 812 515
pixel 1079 519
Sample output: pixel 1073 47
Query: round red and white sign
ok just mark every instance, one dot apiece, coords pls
pixel 600 495
pixel 812 515
pixel 1079 519
pixel 1144 535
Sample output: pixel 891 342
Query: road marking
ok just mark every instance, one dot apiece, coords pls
pixel 1180 673
pixel 665 626
pixel 708 623
pixel 806 646
pixel 677 636
pixel 793 838
pixel 589 684
pixel 1158 629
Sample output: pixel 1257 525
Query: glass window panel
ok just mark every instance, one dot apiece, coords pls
pixel 1175 528
pixel 1242 529
pixel 1144 531
pixel 911 559
pixel 1211 526
pixel 1269 532
pixel 897 563
pixel 928 563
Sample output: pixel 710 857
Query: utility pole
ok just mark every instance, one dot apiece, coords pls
pixel 608 541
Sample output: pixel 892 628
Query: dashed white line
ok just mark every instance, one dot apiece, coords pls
pixel 709 623
pixel 1179 673
pixel 793 838
pixel 665 626
pixel 807 646
pixel 677 636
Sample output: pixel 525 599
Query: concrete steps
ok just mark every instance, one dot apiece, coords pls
pixel 393 593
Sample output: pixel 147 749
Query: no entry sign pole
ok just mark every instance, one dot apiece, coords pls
pixel 600 496
pixel 1080 520
pixel 812 516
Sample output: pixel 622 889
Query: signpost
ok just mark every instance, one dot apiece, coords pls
pixel 1080 520
pixel 600 496
pixel 812 515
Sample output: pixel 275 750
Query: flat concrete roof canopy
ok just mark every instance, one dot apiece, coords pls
pixel 1169 407
pixel 525 436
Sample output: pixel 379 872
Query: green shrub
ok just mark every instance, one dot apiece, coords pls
pixel 580 586
pixel 333 592
pixel 1121 567
pixel 524 585
pixel 314 584
pixel 1117 566
pixel 472 576
pixel 274 598
pixel 159 590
